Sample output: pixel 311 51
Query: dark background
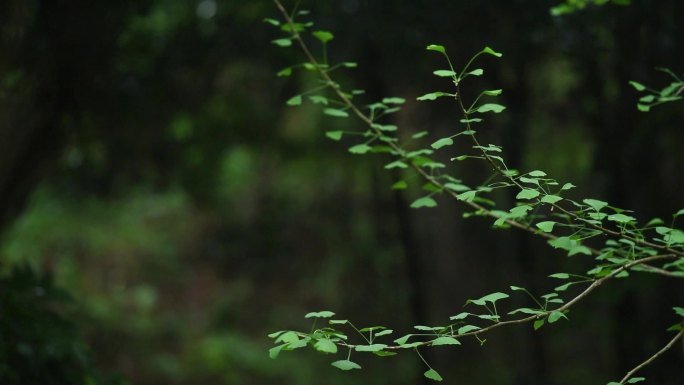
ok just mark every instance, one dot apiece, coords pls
pixel 148 165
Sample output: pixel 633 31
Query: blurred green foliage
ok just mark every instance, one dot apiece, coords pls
pixel 156 175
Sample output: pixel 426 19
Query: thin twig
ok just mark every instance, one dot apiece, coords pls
pixel 652 358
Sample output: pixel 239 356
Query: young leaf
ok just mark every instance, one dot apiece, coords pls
pixel 433 375
pixel 492 92
pixel 560 275
pixel 638 86
pixel 275 351
pixel 490 51
pixel 273 22
pixel 360 149
pixel 432 96
pixel 384 333
pixel 467 328
pixel 284 72
pixel 441 143
pixel 476 72
pixel 323 36
pixel 346 365
pixel 295 101
pixel 596 204
pixel 568 186
pixel 436 47
pixel 546 226
pixel 467 196
pixel 423 202
pixel 324 345
pixel 538 323
pixel 621 218
pixel 396 164
pixel 493 107
pixel 319 314
pixel 334 135
pixel 282 42
pixel 335 112
pixel 551 199
pixel 370 348
pixel 444 340
pixel 444 73
pixel 318 99
pixel 527 194
pixel 394 100
pixel 399 185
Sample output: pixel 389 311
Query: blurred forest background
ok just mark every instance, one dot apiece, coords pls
pixel 160 204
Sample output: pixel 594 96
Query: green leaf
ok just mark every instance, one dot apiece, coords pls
pixel 287 337
pixel 551 199
pixel 679 310
pixel 621 218
pixel 275 351
pixel 538 323
pixel 433 375
pixel 527 194
pixel 396 164
pixel 419 135
pixel 394 100
pixel 445 341
pixel 643 107
pixel 492 92
pixel 560 275
pixel 467 196
pixel 284 72
pixel 436 47
pixel 385 127
pixel 459 316
pixel 457 187
pixel 384 333
pixel 476 72
pixel 338 321
pixel 319 314
pixel 295 100
pixel 568 186
pixel 678 213
pixel 399 185
pixel 493 107
pixel 555 316
pixel 273 22
pixel 546 226
pixel 490 51
pixel 318 99
pixel 432 96
pixel 444 73
pixel 634 380
pixel 334 135
pixel 423 202
pixel 441 143
pixel 370 348
pixel 595 204
pixel 637 86
pixel 492 298
pixel 325 345
pixel 323 36
pixel 536 173
pixel 467 328
pixel 335 112
pixel 360 149
pixel 282 42
pixel 349 64
pixel 403 340
pixel 346 365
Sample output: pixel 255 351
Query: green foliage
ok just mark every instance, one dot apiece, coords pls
pixel 616 243
pixel 570 6
pixel 653 97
